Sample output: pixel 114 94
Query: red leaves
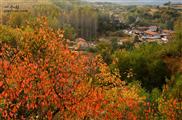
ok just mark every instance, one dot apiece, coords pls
pixel 49 115
pixel 47 77
pixel 1 83
pixel 5 114
pixel 4 64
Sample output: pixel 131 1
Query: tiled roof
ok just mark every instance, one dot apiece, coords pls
pixel 151 33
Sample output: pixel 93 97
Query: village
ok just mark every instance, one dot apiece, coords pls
pixel 129 24
pixel 150 34
pixel 139 35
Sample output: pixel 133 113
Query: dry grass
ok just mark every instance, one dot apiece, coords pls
pixel 153 10
pixel 179 7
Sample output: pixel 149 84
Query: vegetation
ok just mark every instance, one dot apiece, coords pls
pixel 34 82
pixel 41 78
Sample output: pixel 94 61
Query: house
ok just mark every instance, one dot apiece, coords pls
pixel 128 32
pixel 120 42
pixel 164 39
pixel 153 28
pixel 137 32
pixel 81 44
pixel 151 35
pixel 167 32
pixel 142 28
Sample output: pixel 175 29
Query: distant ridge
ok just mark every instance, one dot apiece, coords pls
pixel 137 2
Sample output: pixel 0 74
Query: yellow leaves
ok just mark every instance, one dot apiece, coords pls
pixel 82 89
pixel 60 33
pixel 104 77
pixel 131 92
pixel 90 81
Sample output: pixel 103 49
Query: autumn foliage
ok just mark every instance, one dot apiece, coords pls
pixel 40 78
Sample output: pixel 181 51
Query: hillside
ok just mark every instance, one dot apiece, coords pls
pixel 174 64
pixel 89 61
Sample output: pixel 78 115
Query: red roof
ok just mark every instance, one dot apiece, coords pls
pixel 80 40
pixel 151 33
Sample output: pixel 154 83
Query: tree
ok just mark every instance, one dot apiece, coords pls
pixel 169 25
pixel 41 78
pixel 143 64
pixel 85 21
pixel 131 20
pixel 18 19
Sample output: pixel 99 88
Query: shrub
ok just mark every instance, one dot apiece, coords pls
pixel 143 64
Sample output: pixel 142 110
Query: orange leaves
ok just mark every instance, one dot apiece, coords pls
pixel 49 115
pixel 171 108
pixel 1 83
pixel 4 64
pixel 45 76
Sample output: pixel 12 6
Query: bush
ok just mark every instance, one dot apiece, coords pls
pixel 8 35
pixel 143 64
pixel 174 47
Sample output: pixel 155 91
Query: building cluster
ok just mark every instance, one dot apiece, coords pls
pixel 151 33
pixel 80 44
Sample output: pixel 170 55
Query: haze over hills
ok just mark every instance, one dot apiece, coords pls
pixel 156 2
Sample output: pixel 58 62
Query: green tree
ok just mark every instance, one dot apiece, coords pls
pixel 143 64
pixel 18 19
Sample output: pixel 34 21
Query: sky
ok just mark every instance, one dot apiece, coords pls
pixel 135 1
